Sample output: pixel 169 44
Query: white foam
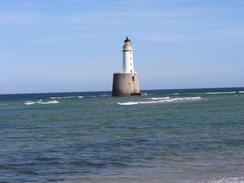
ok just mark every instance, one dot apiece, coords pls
pixel 29 103
pixel 160 98
pixel 48 102
pixel 219 93
pixel 92 96
pixel 105 95
pixel 41 102
pixel 65 97
pixel 229 180
pixel 128 103
pixel 240 91
pixel 169 100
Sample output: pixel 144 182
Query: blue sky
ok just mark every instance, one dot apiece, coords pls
pixel 75 45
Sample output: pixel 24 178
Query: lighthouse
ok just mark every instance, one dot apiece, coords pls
pixel 126 83
pixel 128 66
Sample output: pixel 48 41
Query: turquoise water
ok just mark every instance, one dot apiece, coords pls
pixel 165 136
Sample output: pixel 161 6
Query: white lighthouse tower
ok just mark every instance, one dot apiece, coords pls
pixel 128 66
pixel 127 82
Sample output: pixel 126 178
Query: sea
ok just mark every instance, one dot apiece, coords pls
pixel 186 135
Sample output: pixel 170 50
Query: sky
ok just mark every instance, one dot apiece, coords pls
pixel 76 45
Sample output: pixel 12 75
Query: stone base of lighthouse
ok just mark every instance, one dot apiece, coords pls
pixel 125 84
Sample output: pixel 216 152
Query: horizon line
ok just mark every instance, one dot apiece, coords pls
pixel 111 91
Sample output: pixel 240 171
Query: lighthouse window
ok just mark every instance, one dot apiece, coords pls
pixel 133 78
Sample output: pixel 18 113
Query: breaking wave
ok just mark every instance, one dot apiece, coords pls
pixel 41 102
pixel 104 95
pixel 76 97
pixel 128 103
pixel 161 100
pixel 66 97
pixel 241 92
pixel 219 93
pixel 93 96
